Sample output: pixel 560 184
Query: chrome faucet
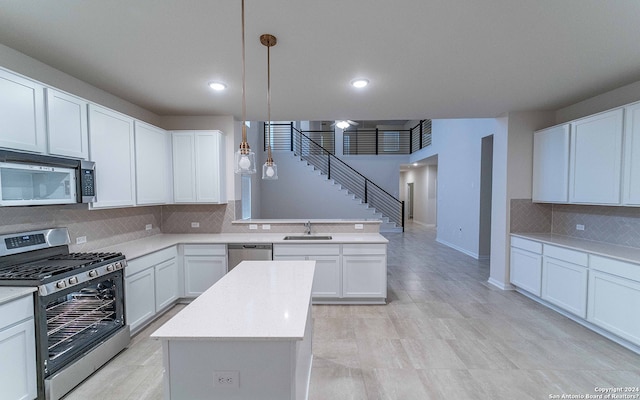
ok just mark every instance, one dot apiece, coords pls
pixel 307 225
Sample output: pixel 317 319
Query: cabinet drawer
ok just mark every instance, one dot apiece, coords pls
pixel 16 311
pixel 306 250
pixel 364 249
pixel 615 267
pixel 572 256
pixel 141 263
pixel 525 244
pixel 205 249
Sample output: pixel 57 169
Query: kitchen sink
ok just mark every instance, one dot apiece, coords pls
pixel 307 237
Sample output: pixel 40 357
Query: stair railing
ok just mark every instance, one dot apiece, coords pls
pixel 342 173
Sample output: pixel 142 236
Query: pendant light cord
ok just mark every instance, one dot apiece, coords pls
pixel 269 158
pixel 244 146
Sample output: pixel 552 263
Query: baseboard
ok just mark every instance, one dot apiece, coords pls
pixel 500 285
pixel 458 248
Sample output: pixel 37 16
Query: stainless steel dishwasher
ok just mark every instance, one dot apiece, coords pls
pixel 238 252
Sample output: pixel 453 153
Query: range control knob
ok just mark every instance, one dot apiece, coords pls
pixel 118 265
pixel 73 280
pixel 110 267
pixel 93 273
pixel 61 284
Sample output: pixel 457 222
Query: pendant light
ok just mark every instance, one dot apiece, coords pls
pixel 245 159
pixel 269 169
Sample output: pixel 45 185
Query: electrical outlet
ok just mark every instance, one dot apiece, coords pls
pixel 253 226
pixel 81 239
pixel 148 227
pixel 266 227
pixel 195 224
pixel 359 226
pixel 226 379
pixel 579 227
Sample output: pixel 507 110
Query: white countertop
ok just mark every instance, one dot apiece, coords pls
pixel 622 253
pixel 302 221
pixel 141 247
pixel 10 293
pixel 257 300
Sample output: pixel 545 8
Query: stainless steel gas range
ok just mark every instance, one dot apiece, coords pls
pixel 79 305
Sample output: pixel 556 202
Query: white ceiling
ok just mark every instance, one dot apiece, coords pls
pixel 424 58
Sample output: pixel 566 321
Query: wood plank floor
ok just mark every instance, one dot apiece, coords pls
pixel 445 334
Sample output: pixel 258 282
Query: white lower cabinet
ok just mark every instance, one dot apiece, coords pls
pixel 614 297
pixel 18 349
pixel 364 270
pixel 347 273
pixel 167 279
pixel 526 265
pixel 140 298
pixel 326 278
pixel 152 283
pixel 565 285
pixel 204 265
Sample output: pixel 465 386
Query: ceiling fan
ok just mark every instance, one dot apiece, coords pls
pixel 344 124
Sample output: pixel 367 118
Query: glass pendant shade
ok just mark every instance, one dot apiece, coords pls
pixel 269 171
pixel 245 162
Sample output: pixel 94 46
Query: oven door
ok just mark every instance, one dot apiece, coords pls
pixel 73 321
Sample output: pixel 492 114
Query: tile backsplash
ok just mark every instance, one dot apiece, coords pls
pixel 101 227
pixel 616 225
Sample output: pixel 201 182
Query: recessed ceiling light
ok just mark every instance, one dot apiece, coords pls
pixel 359 83
pixel 218 86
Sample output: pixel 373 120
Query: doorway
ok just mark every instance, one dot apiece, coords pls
pixel 486 183
pixel 410 200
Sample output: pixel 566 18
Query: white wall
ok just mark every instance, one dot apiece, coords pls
pixel 459 144
pixel 301 193
pixel 512 174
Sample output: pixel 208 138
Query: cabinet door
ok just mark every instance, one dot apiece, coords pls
pixel 614 304
pixel 326 279
pixel 22 118
pixel 364 276
pixel 200 272
pixel 18 361
pixel 112 149
pixel 167 283
pixel 140 298
pixel 526 270
pixel 596 159
pixel 151 161
pixel 631 191
pixel 67 125
pixel 565 285
pixel 184 167
pixel 551 164
pixel 208 167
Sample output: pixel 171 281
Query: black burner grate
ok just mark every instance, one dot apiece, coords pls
pixel 56 265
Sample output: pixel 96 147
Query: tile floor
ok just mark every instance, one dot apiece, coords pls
pixel 445 334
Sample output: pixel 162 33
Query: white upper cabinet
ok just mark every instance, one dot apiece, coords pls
pixel 152 157
pixel 631 188
pixel 551 164
pixel 596 159
pixel 198 167
pixel 22 116
pixel 111 135
pixel 67 125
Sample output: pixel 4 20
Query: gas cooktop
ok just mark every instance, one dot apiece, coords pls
pixel 52 267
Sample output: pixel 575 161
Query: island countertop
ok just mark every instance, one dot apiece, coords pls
pixel 257 300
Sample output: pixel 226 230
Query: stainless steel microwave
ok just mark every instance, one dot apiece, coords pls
pixel 34 179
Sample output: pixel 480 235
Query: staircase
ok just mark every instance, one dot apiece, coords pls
pixel 371 200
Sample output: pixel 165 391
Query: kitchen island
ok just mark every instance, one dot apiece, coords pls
pixel 246 337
